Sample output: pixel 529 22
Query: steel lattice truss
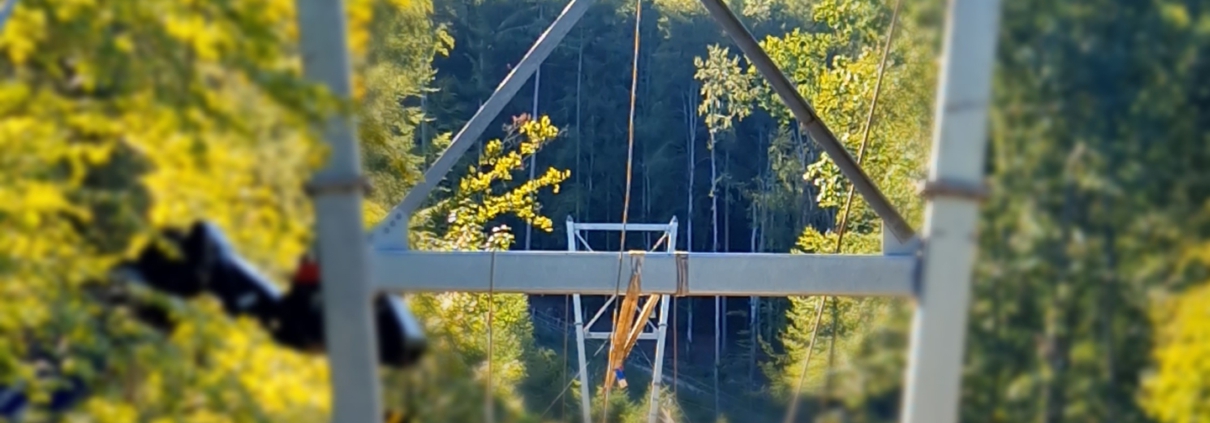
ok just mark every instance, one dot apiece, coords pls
pixel 935 271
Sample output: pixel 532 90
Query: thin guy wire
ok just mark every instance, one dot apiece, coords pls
pixel 865 137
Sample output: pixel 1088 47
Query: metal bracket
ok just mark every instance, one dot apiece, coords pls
pixel 346 185
pixel 682 275
pixel 947 188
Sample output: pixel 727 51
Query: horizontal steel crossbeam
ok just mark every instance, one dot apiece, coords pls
pixel 645 336
pixel 630 227
pixel 596 273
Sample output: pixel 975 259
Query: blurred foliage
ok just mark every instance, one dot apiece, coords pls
pixel 119 118
pixel 847 36
pixel 1096 155
pixel 1177 392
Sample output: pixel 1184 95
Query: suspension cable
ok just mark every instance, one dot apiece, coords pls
pixel 634 80
pixel 844 217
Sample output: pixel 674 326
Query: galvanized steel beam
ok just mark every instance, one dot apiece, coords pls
pixel 596 273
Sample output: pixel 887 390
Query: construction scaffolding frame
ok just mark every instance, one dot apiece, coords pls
pixel 934 271
pixel 575 238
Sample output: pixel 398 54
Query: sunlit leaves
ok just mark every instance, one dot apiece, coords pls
pixel 485 193
pixel 834 66
pixel 1179 391
pixel 460 366
pixel 837 77
pixel 396 70
pixel 727 92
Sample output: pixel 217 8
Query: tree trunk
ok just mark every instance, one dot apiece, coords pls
pixel 804 192
pixel 424 111
pixel 726 237
pixel 753 303
pixel 579 132
pixel 1106 309
pixel 646 197
pixel 714 248
pixel 691 125
pixel 1056 346
pixel 713 195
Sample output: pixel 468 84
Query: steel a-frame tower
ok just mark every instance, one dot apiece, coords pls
pixel 935 272
pixel 575 239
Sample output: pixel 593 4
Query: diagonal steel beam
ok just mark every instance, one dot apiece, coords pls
pixel 809 120
pixel 392 231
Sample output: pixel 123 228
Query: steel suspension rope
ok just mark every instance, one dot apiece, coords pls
pixel 634 80
pixel 844 217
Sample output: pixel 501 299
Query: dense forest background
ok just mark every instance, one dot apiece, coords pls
pixel 118 118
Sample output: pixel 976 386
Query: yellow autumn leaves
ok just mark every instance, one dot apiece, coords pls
pixel 477 203
pixel 121 117
pixel 1177 391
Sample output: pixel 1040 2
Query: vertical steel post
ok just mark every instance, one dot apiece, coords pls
pixel 939 327
pixel 344 259
pixel 585 400
pixel 657 368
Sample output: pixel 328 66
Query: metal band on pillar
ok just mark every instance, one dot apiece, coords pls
pixel 320 186
pixel 682 274
pixel 943 187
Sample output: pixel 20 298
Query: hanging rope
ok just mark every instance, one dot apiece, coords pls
pixel 634 80
pixel 844 217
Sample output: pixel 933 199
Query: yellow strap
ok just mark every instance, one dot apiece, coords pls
pixel 627 328
pixel 637 328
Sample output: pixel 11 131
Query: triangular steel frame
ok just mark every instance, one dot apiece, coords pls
pixel 657 332
pixel 940 284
